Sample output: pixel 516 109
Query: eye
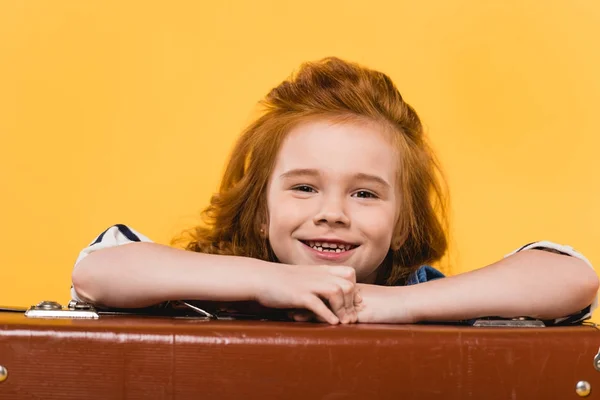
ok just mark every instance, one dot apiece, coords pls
pixel 304 188
pixel 365 194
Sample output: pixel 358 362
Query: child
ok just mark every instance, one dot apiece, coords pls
pixel 331 204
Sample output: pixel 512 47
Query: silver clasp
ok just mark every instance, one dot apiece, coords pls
pixel 52 309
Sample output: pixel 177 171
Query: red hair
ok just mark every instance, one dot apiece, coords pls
pixel 330 88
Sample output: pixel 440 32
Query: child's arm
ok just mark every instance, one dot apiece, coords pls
pixel 141 274
pixel 531 283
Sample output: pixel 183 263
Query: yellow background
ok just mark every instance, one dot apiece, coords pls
pixel 124 112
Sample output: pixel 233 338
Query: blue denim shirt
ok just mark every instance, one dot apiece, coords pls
pixel 424 274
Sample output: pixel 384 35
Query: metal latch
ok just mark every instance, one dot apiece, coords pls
pixel 52 309
pixel 597 361
pixel 520 322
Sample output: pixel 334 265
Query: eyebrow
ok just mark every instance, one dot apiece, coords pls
pixel 313 172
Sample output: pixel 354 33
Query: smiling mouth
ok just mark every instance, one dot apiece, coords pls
pixel 329 247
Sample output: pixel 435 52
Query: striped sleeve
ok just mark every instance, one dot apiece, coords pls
pixel 581 315
pixel 114 236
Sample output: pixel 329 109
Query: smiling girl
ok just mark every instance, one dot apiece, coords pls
pixel 331 204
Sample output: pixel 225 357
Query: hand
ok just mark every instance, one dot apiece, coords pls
pixel 384 304
pixel 309 287
pixel 377 305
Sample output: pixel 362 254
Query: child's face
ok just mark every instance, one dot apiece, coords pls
pixel 334 183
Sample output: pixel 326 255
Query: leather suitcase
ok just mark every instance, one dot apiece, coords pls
pixel 123 356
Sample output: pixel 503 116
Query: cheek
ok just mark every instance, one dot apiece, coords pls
pixel 378 224
pixel 285 216
pixel 275 229
pixel 277 214
pixel 281 225
pixel 286 212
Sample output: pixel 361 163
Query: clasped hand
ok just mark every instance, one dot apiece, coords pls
pixel 330 294
pixel 327 292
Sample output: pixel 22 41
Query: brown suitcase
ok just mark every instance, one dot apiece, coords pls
pixel 148 357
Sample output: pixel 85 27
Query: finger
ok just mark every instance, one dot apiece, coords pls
pixel 348 290
pixel 293 314
pixel 306 316
pixel 348 276
pixel 357 304
pixel 357 297
pixel 347 273
pixel 316 305
pixel 337 300
pixel 302 316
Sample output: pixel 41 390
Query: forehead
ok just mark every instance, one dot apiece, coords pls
pixel 339 147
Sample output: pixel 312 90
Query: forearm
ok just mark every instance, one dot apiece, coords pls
pixel 531 283
pixel 144 274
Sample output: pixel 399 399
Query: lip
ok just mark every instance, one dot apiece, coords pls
pixel 330 240
pixel 329 256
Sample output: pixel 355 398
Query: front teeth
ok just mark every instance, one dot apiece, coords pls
pixel 329 247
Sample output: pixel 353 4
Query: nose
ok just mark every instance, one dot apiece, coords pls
pixel 332 212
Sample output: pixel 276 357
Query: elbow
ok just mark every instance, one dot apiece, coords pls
pixel 589 286
pixel 83 283
pixel 576 289
pixel 585 285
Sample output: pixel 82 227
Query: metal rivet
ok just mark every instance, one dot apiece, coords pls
pixel 583 388
pixel 3 373
pixel 597 361
pixel 49 305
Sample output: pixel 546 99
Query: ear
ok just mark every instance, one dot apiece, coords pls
pixel 397 241
pixel 399 235
pixel 264 231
